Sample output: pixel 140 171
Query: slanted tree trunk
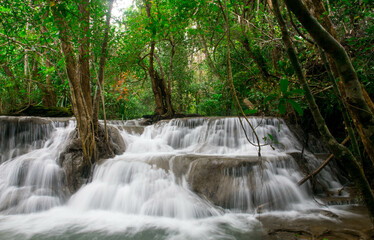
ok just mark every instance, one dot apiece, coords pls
pixel 343 155
pixel 256 56
pixel 79 79
pixel 343 108
pixel 318 10
pixel 362 116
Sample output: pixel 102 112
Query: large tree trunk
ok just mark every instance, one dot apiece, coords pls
pixel 160 89
pixel 79 82
pixel 156 88
pixel 360 111
pixel 343 155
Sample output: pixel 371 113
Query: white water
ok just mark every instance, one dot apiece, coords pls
pixel 146 193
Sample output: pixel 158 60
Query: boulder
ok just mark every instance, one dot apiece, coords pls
pixel 78 172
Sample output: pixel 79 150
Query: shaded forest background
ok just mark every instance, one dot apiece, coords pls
pixel 190 55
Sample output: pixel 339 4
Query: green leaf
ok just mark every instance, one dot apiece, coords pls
pixel 296 106
pixel 270 98
pixel 250 111
pixel 297 91
pixel 271 137
pixel 4 9
pixel 282 106
pixel 283 85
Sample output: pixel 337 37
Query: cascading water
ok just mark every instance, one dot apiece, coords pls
pixel 179 179
pixel 31 180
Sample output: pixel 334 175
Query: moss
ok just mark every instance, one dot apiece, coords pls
pixel 42 111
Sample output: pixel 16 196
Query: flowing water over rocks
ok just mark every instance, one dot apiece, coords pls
pixel 196 178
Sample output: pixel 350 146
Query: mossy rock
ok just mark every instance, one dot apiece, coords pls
pixel 42 111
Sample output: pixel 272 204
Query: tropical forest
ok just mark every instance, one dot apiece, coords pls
pixel 186 119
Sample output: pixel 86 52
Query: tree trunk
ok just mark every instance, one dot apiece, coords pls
pixel 103 57
pixel 78 77
pixel 160 109
pixel 84 53
pixel 363 118
pixel 318 10
pixel 342 106
pixel 342 153
pixel 159 87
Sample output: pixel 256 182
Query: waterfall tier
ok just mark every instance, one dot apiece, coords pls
pixel 209 174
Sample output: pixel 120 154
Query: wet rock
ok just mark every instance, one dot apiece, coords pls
pixel 151 119
pixel 116 142
pixel 77 171
pixel 222 180
pixel 313 142
pixel 354 224
pixel 133 129
pixel 19 135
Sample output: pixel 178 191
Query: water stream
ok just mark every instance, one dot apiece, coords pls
pixel 179 179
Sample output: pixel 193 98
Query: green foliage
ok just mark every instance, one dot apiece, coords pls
pixel 261 72
pixel 286 97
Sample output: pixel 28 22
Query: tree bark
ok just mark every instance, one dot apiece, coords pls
pixel 342 154
pixel 160 109
pixel 84 52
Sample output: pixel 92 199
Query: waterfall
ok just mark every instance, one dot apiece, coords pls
pixel 176 175
pixel 30 178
